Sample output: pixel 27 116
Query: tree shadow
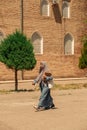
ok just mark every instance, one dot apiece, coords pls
pixel 23 90
pixel 57 13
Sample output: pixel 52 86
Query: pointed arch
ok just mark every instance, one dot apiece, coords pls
pixel 68 44
pixel 37 41
pixel 45 8
pixel 66 9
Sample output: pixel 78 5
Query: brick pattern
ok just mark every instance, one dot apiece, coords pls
pixel 52 28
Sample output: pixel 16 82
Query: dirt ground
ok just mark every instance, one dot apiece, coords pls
pixel 17 112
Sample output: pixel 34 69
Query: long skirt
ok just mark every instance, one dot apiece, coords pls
pixel 45 99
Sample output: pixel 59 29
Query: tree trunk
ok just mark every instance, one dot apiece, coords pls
pixel 16 81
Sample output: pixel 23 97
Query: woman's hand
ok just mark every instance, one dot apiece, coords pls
pixel 44 77
pixel 33 83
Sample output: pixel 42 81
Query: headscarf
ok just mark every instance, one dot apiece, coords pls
pixel 45 69
pixel 42 71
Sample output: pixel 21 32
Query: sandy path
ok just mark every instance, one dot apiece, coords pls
pixel 17 113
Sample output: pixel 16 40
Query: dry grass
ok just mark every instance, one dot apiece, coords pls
pixel 56 86
pixel 69 86
pixel 4 91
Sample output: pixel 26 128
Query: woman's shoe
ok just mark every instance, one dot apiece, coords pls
pixel 39 108
pixel 52 106
pixel 35 107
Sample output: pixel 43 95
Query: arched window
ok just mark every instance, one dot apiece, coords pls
pixel 1 36
pixel 44 8
pixel 68 44
pixel 66 9
pixel 37 42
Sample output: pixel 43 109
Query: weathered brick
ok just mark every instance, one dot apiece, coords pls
pixel 53 29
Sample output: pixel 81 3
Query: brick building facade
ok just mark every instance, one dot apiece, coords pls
pixel 55 29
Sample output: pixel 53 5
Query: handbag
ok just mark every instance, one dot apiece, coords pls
pixel 50 84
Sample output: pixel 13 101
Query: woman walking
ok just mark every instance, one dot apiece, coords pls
pixel 44 78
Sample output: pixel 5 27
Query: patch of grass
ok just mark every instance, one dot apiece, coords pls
pixel 85 85
pixel 56 86
pixel 4 91
pixel 69 86
pixel 13 91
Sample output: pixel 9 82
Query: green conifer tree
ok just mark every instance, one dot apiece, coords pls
pixel 16 52
pixel 83 58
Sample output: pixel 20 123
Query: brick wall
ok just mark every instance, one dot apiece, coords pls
pixel 52 29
